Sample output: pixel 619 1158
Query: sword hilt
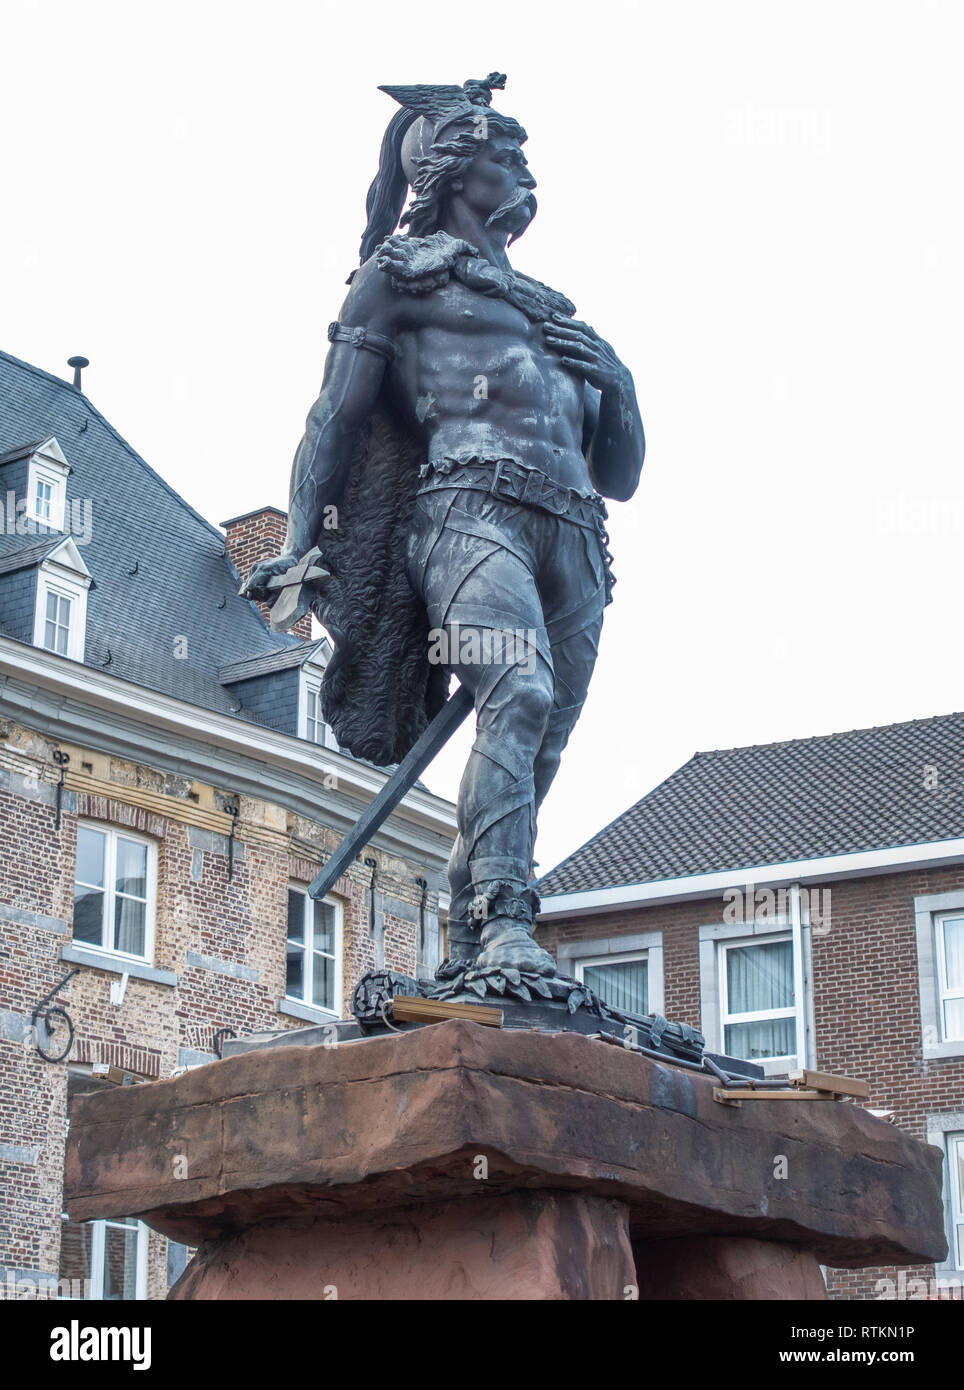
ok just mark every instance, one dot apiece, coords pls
pixel 295 590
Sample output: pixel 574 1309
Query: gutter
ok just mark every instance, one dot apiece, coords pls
pixel 72 701
pixel 830 868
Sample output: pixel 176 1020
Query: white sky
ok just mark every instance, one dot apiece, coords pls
pixel 759 205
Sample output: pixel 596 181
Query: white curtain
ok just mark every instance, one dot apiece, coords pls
pixel 622 985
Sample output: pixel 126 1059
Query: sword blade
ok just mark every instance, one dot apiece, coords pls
pixel 438 733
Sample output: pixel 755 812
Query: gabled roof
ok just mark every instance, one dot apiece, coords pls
pixel 21 552
pixel 166 611
pixel 284 660
pixel 781 802
pixel 20 451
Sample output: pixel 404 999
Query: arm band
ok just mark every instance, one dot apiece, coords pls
pixel 363 338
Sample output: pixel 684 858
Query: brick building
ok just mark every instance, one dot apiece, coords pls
pixel 802 903
pixel 167 792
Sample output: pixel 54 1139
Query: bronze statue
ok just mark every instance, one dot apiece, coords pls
pixel 467 430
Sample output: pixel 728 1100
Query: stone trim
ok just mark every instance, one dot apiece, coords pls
pixel 16 1153
pixel 307 1012
pixel 925 906
pixel 192 1057
pixel 15 1028
pixel 24 918
pixel 223 967
pixel 117 965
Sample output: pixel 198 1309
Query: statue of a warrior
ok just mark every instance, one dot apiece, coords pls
pixel 467 431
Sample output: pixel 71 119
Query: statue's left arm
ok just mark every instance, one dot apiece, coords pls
pixel 613 438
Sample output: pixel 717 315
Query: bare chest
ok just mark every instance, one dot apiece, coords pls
pixel 466 350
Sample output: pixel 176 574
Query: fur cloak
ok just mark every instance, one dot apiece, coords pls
pixel 379 690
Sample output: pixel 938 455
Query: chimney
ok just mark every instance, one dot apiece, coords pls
pixel 260 536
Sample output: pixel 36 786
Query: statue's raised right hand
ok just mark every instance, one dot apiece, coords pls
pixel 256 585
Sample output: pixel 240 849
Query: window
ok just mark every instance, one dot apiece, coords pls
pixel 949 932
pixel 757 1004
pixel 57 623
pixel 939 919
pixel 114 891
pixel 315 730
pixel 43 500
pixel 313 956
pixel 60 621
pixel 46 493
pixel 620 981
pixel 756 1001
pixel 955 1187
pixel 101 1259
pixel 311 724
pixel 625 971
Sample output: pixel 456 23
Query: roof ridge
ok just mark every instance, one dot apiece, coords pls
pixel 823 738
pixel 67 386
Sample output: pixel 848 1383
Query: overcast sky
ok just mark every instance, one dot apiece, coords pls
pixel 759 205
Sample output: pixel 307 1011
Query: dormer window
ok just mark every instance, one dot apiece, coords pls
pixel 57 623
pixel 44 500
pixel 47 486
pixel 315 726
pixel 60 617
pixel 311 724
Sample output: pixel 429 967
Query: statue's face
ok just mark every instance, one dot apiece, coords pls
pixel 497 186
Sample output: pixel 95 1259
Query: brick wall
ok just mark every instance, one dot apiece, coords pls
pixel 224 938
pixel 866 1001
pixel 260 536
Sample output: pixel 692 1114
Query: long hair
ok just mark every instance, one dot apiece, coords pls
pixel 386 196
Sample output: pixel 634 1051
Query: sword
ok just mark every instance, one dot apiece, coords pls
pixel 416 760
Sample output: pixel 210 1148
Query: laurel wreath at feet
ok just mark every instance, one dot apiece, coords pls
pixel 457 978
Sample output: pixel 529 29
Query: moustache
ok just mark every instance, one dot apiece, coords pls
pixel 515 213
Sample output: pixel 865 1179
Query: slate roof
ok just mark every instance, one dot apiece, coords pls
pixel 20 552
pixel 775 802
pixel 21 451
pixel 282 660
pixel 185 587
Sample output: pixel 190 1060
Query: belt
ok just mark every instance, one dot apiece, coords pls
pixel 517 482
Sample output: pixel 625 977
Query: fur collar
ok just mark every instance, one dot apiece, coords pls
pixel 418 265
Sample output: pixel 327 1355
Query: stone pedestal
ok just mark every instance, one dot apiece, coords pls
pixel 462 1162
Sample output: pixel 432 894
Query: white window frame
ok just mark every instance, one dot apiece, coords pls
pixel 113 834
pixel 946 1132
pixel 59 597
pixel 65 575
pixel 48 465
pixel 624 959
pixel 955 1199
pixel 309 684
pixel 784 1061
pixel 944 991
pixel 931 971
pixel 319 1009
pixel 98 1247
pixel 571 956
pixel 795 925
